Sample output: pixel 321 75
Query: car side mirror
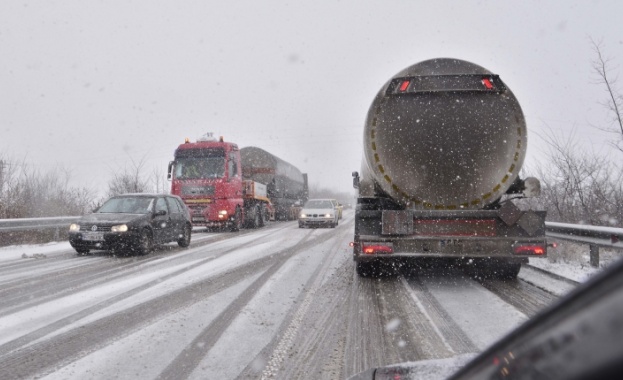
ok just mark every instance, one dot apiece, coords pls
pixel 160 213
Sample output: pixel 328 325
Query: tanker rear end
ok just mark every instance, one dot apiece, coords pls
pixel 444 142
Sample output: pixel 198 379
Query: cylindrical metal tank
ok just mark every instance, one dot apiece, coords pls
pixel 282 179
pixel 443 134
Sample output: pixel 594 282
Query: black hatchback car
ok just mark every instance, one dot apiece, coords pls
pixel 133 223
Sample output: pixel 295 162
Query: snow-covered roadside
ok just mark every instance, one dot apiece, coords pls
pixel 14 252
pixel 578 270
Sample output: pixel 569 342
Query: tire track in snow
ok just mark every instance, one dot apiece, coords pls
pixel 78 342
pixel 186 362
pixel 43 289
pixel 524 296
pixel 310 338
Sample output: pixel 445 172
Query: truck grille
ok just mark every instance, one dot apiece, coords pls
pixel 197 190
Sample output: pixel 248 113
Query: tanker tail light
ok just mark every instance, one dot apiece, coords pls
pixel 530 249
pixel 404 85
pixel 487 83
pixel 373 248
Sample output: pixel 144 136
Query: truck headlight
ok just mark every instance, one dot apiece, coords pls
pixel 222 214
pixel 119 228
pixel 74 227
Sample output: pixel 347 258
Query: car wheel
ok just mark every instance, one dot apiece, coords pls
pixel 236 223
pixel 82 251
pixel 184 241
pixel 145 242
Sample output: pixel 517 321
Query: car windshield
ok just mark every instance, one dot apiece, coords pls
pixel 318 204
pixel 199 168
pixel 127 205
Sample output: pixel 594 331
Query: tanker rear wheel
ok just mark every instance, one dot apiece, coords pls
pixel 507 271
pixel 365 269
pixel 375 268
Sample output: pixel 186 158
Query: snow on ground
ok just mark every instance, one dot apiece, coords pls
pixel 155 344
pixel 576 266
pixel 14 252
pixel 464 300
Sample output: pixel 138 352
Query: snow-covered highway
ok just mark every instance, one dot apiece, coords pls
pixel 278 302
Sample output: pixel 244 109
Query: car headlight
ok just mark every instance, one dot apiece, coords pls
pixel 303 216
pixel 74 227
pixel 328 216
pixel 119 228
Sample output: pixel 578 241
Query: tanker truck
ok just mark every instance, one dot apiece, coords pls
pixel 444 142
pixel 228 187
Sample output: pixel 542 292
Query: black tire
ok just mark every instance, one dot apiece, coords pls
pixel 257 217
pixel 507 271
pixel 82 251
pixel 263 219
pixel 184 241
pixel 145 243
pixel 236 222
pixel 366 269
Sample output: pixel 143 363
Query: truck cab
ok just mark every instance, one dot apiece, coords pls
pixel 207 175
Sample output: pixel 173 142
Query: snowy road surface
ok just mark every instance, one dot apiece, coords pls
pixel 275 303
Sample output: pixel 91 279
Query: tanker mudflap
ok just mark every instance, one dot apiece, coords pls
pixel 397 222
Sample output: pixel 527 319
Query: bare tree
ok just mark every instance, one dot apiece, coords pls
pixel 129 180
pixel 580 186
pixel 27 192
pixel 614 102
pixel 158 181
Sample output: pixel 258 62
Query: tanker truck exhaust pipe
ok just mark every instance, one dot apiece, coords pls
pixel 444 142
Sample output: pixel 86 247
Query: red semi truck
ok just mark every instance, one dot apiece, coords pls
pixel 227 187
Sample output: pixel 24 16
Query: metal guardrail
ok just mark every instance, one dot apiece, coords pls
pixel 33 224
pixel 594 236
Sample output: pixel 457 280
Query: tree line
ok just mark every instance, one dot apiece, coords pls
pixel 28 192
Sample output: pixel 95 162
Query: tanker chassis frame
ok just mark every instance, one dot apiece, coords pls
pixel 494 242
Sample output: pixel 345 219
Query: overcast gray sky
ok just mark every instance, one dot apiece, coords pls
pixel 90 84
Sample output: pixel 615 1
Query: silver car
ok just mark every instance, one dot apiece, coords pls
pixel 319 212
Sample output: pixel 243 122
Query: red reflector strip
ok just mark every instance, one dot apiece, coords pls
pixel 529 250
pixel 487 83
pixel 404 85
pixel 370 249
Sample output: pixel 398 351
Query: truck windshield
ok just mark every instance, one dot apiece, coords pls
pixel 199 167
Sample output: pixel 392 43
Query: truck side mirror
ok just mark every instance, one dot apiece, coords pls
pixel 170 171
pixel 356 180
pixel 532 187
